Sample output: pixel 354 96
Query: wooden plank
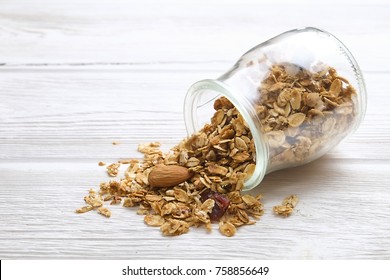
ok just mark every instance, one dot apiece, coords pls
pixel 78 113
pixel 74 77
pixel 120 31
pixel 50 146
pixel 339 206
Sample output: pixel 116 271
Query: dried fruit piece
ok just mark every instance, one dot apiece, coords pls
pixel 168 175
pixel 221 204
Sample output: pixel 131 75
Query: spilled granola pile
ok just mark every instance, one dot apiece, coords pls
pixel 200 180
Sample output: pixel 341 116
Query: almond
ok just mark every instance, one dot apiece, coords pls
pixel 168 175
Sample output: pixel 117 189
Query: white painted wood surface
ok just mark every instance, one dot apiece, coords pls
pixel 77 75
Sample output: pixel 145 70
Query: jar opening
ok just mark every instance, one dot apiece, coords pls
pixel 198 110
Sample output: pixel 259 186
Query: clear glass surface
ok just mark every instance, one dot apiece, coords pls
pixel 300 93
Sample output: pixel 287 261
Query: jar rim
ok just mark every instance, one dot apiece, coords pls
pixel 244 107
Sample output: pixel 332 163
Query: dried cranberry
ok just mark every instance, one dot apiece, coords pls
pixel 206 195
pixel 221 204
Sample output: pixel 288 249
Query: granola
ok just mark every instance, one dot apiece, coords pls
pixel 113 169
pixel 301 112
pixel 199 181
pixel 287 206
pixel 219 158
pixel 104 211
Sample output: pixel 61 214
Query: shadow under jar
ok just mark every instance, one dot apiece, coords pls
pixel 299 94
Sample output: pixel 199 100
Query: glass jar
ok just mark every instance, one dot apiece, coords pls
pixel 299 93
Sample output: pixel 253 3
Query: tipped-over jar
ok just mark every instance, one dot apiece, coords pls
pixel 299 94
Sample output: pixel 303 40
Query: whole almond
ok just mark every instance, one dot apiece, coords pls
pixel 168 175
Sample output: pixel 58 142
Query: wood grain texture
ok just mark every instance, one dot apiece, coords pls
pixel 77 75
pixel 105 31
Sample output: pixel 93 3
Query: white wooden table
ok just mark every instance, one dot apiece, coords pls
pixel 77 75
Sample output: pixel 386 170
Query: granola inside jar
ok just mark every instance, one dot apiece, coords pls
pixel 297 95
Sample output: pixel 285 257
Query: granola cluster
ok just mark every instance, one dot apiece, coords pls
pixel 287 206
pixel 200 180
pixel 113 169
